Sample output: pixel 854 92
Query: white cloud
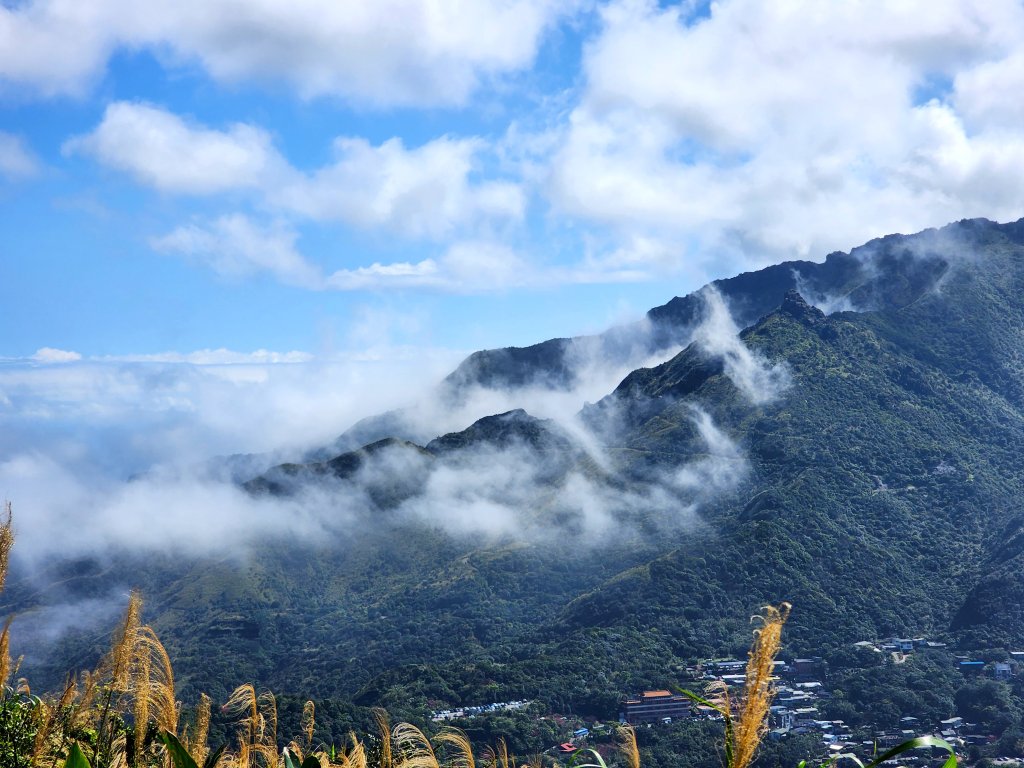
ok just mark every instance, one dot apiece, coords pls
pixel 719 336
pixel 394 52
pixel 984 95
pixel 16 160
pixel 773 130
pixel 464 266
pixel 235 246
pixel 163 151
pixel 51 355
pixel 424 191
pixel 219 356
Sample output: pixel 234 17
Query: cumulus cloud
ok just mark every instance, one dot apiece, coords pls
pixel 426 191
pixel 770 130
pixel 398 52
pixel 164 151
pixel 51 355
pixel 17 161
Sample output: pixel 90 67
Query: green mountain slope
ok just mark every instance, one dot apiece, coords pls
pixel 864 465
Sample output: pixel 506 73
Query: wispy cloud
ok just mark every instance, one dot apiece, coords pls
pixel 51 355
pixel 235 246
pixel 758 380
pixel 17 161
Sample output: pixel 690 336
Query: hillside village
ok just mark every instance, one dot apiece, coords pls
pixel 801 695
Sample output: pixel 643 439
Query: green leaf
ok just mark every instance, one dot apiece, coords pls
pixel 76 759
pixel 844 756
pixel 178 753
pixel 920 741
pixel 213 757
pixel 700 700
pixel 288 761
pixel 578 755
pixel 310 762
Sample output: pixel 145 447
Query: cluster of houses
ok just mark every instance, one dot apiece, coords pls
pixel 800 688
pixel 796 695
pixel 443 715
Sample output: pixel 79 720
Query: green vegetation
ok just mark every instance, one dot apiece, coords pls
pixel 125 714
pixel 881 494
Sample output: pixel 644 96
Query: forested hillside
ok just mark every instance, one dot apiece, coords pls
pixel 862 464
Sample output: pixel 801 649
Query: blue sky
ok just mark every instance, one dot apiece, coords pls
pixel 241 225
pixel 272 176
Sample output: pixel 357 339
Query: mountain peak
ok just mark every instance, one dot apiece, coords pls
pixel 794 305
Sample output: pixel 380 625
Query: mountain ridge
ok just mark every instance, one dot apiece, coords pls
pixel 862 464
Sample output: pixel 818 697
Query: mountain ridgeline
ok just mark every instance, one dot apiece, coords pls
pixel 854 450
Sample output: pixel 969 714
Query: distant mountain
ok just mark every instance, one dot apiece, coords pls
pixel 855 450
pixel 883 273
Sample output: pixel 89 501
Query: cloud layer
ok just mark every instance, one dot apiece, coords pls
pixel 405 52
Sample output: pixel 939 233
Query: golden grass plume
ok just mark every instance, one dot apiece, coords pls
pixel 459 745
pixel 628 747
pixel 6 542
pixel 751 723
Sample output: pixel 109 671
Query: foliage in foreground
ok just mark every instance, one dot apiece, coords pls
pixel 124 714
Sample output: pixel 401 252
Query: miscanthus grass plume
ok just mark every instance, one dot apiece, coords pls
pixel 746 716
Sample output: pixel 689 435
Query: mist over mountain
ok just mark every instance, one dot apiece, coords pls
pixel 585 513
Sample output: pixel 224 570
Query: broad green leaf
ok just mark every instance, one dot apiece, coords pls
pixel 578 755
pixel 920 741
pixel 76 759
pixel 213 757
pixel 178 753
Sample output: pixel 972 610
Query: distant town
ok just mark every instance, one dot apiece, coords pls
pixel 801 688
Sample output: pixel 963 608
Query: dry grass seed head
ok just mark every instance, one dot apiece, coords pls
pixel 414 748
pixel 197 748
pixel 5 652
pixel 267 704
pixel 158 684
pixel 498 757
pixel 308 722
pixel 120 658
pixel 353 757
pixel 628 747
pixel 242 702
pixel 140 687
pixel 384 731
pixel 463 757
pixel 752 722
pixel 6 542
